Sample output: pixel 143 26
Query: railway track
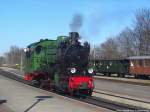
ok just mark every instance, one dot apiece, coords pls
pixel 135 102
pixel 109 104
pixel 100 102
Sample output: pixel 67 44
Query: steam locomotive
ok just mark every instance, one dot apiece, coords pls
pixel 61 64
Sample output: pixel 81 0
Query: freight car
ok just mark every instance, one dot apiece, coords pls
pixel 138 66
pixel 61 64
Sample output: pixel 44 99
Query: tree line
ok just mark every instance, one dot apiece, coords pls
pixel 133 41
pixel 13 56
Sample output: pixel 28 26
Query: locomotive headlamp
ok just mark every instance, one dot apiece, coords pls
pixel 73 70
pixel 26 49
pixel 90 70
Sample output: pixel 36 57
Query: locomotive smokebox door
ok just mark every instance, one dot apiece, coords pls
pixel 74 36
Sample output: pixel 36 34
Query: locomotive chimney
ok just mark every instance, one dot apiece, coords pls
pixel 74 36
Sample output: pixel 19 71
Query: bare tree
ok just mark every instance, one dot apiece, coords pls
pixel 109 49
pixel 142 31
pixel 126 43
pixel 95 52
pixel 14 55
pixel 2 60
pixel 129 42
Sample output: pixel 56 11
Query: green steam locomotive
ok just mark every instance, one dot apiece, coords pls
pixel 61 64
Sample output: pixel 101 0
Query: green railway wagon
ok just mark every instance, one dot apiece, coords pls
pixel 108 67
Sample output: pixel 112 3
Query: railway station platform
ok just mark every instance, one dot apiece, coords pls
pixel 24 98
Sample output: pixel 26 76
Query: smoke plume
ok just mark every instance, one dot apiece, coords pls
pixel 76 22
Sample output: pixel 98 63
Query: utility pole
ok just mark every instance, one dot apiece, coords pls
pixel 94 53
pixel 21 61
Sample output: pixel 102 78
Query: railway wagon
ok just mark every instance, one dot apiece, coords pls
pixel 139 66
pixel 116 66
pixel 61 64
